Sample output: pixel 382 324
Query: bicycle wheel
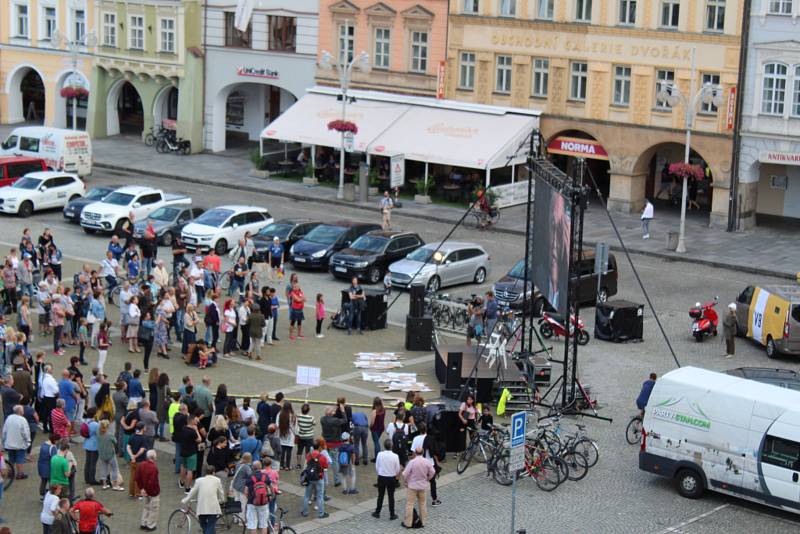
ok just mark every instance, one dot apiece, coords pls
pixel 578 464
pixel 563 467
pixel 464 459
pixel 547 476
pixel 114 296
pixel 589 449
pixel 149 139
pixel 476 216
pixel 496 217
pixel 10 476
pixel 634 431
pixel 501 472
pixel 104 529
pixel 179 522
pixel 484 452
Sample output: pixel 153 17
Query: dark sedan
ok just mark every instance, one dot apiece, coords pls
pixel 371 254
pixel 168 222
pixel 72 211
pixel 289 231
pixel 316 248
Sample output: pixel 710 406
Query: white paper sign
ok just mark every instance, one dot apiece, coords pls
pixel 308 376
pixel 398 171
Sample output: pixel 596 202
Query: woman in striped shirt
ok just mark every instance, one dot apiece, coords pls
pixel 305 433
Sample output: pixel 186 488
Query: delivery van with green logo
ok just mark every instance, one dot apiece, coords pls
pixel 713 431
pixel 770 315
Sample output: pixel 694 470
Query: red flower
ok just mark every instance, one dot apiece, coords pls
pixel 343 126
pixel 74 92
pixel 686 170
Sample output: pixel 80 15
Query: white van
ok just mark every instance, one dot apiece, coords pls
pixel 709 430
pixel 62 150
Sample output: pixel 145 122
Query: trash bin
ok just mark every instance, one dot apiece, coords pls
pixel 672 240
pixel 350 193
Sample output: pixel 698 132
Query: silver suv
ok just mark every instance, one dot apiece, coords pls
pixel 454 263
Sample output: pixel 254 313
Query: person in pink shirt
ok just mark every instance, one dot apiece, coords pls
pixel 417 475
pixel 320 309
pixel 57 318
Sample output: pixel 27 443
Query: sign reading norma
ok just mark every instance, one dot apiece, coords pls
pixel 257 72
pixel 579 148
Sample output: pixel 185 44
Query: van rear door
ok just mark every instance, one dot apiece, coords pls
pixel 779 464
pixel 793 341
pixel 743 310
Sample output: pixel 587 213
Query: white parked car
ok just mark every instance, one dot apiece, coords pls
pixel 113 211
pixel 39 191
pixel 222 227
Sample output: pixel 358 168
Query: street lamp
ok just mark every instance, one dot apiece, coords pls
pixel 74 47
pixel 361 62
pixel 670 94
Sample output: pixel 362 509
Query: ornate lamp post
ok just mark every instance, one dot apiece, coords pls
pixel 669 93
pixel 75 87
pixel 345 69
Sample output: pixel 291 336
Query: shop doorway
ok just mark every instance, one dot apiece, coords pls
pixel 165 107
pixel 664 169
pixel 32 89
pixel 567 147
pixel 129 110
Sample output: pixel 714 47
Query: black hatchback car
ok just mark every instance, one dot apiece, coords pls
pixel 315 249
pixel 289 231
pixel 371 254
pixel 72 211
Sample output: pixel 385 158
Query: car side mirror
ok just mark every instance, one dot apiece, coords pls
pixel 347 243
pixel 137 205
pixel 43 189
pixel 447 262
pixel 236 225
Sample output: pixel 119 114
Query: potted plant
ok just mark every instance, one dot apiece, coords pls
pixel 424 191
pixel 374 183
pixel 259 164
pixel 308 177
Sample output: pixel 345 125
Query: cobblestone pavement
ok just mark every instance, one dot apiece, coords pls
pixel 615 496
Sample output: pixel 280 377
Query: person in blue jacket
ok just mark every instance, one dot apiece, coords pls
pixel 644 394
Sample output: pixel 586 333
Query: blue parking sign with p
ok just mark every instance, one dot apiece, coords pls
pixel 518 429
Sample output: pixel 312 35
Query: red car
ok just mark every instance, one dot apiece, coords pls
pixel 12 168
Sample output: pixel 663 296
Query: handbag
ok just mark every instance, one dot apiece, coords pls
pixel 90 317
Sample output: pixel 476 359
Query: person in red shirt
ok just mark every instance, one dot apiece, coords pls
pixel 58 420
pixel 213 262
pixel 87 512
pixel 147 480
pixel 297 302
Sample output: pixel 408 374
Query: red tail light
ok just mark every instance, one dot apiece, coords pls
pixel 786 329
pixel 644 441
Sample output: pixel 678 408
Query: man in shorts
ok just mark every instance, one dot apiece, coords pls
pixel 276 255
pixel 257 513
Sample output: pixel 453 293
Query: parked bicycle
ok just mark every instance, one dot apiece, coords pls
pixel 183 520
pixel 174 145
pixel 633 433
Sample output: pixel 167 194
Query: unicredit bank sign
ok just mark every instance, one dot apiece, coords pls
pixel 579 148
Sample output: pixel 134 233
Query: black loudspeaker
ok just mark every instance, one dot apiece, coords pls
pixel 416 305
pixel 375 310
pixel 619 321
pixel 419 333
pixel 454 439
pixel 453 375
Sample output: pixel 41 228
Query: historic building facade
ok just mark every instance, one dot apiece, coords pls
pixel 405 39
pixel 769 158
pixel 593 68
pixel 148 69
pixel 253 76
pixel 34 63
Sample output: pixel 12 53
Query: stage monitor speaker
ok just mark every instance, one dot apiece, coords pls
pixel 453 375
pixel 619 321
pixel 419 333
pixel 454 439
pixel 416 305
pixel 375 310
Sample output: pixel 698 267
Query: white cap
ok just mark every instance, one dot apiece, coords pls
pixel 732 306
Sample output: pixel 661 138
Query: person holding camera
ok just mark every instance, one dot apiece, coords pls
pixel 475 324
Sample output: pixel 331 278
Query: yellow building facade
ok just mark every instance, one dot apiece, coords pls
pixel 34 67
pixel 593 67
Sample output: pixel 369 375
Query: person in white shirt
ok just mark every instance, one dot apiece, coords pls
pixel 134 316
pixel 647 216
pixel 209 494
pixel 125 294
pixel 243 314
pixel 108 270
pixel 197 278
pixel 48 392
pixel 50 507
pixel 387 465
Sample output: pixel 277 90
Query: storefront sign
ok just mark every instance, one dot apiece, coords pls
pixel 440 81
pixel 511 194
pixel 731 108
pixel 349 141
pixel 781 158
pixel 579 148
pixel 257 72
pixel 397 176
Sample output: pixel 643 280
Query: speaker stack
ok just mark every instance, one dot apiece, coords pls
pixel 419 327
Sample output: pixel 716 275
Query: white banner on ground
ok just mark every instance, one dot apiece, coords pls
pixel 511 194
pixel 308 376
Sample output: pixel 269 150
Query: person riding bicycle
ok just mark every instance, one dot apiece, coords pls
pixel 87 513
pixel 486 209
pixel 644 394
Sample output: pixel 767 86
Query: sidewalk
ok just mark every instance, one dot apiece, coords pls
pixel 762 251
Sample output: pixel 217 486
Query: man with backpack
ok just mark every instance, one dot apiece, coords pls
pixel 398 434
pixel 347 460
pixel 259 492
pixel 313 476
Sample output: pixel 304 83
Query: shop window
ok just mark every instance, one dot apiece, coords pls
pixel 282 33
pixel 235 38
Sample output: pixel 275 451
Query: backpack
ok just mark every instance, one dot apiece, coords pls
pixel 344 459
pixel 312 472
pixel 262 490
pixel 85 430
pixel 399 441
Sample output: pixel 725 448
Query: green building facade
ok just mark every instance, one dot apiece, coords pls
pixel 148 70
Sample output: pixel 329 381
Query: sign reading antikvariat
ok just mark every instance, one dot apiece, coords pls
pixel 782 158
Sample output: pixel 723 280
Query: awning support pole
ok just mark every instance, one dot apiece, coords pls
pixel 314 156
pixel 426 177
pixel 513 169
pixel 488 177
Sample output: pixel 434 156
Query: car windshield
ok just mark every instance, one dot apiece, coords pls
pixel 27 183
pixel 215 217
pixel 281 231
pixel 96 193
pixel 370 243
pixel 423 255
pixel 118 199
pixel 164 214
pixel 518 271
pixel 325 234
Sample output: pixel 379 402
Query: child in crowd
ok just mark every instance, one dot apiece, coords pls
pixel 133 267
pixel 486 419
pixel 320 314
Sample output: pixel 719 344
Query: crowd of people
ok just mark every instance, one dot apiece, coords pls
pixel 221 447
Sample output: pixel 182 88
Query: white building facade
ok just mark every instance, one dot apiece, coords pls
pixel 769 159
pixel 253 76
